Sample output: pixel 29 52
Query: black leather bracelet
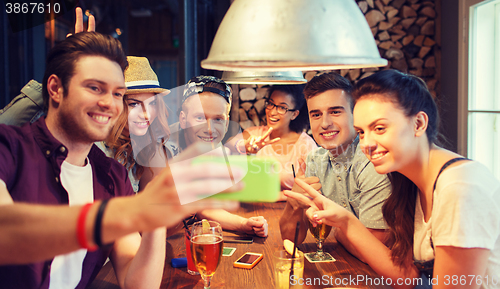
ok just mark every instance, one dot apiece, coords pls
pixel 98 223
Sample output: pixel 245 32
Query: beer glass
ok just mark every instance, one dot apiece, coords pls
pixel 191 269
pixel 206 242
pixel 320 232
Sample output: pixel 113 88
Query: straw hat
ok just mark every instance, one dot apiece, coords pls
pixel 140 77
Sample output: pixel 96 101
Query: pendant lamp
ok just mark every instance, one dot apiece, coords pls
pixel 285 35
pixel 263 77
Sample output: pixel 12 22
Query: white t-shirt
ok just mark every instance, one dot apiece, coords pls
pixel 465 213
pixel 66 270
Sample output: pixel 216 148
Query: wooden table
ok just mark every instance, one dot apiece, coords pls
pixel 345 272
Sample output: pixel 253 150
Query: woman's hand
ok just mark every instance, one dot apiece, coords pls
pixel 253 144
pixel 312 182
pixel 321 209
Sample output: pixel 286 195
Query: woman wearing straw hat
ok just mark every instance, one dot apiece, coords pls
pixel 140 138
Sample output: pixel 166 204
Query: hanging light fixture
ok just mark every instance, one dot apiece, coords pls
pixel 263 77
pixel 278 35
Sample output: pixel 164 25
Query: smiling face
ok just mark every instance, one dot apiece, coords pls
pixel 142 111
pixel 204 118
pixel 93 102
pixel 277 121
pixel 331 120
pixel 386 135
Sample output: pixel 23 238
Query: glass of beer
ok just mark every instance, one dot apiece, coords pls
pixel 206 248
pixel 191 269
pixel 320 232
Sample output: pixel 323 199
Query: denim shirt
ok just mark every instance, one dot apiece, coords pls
pixel 30 166
pixel 351 181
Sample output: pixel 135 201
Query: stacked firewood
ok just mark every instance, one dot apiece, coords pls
pixel 252 102
pixel 405 34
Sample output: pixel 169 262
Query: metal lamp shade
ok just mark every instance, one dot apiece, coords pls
pixel 277 35
pixel 263 77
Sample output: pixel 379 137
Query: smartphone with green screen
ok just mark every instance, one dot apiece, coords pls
pixel 261 178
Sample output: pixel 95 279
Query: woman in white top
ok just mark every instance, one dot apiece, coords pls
pixel 444 212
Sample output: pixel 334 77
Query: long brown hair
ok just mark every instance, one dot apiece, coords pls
pixel 409 93
pixel 120 142
pixel 399 214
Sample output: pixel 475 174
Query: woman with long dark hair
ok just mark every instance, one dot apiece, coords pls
pixel 444 211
